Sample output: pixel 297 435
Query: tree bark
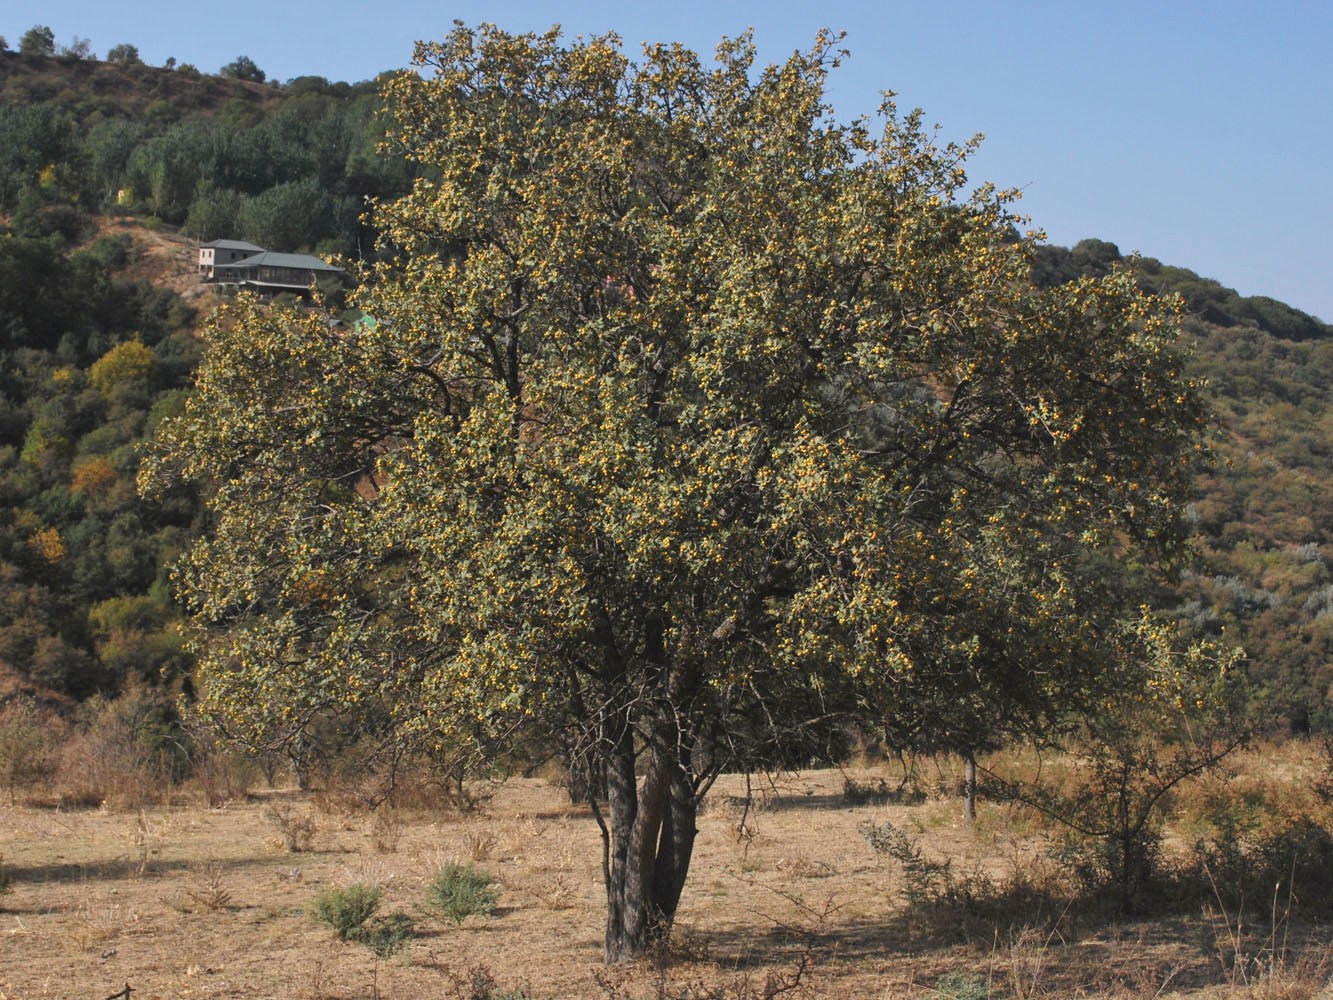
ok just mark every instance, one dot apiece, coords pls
pixel 969 787
pixel 652 831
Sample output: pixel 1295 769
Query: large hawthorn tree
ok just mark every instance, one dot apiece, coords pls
pixel 689 417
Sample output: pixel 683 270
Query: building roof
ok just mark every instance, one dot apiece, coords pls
pixel 232 245
pixel 299 261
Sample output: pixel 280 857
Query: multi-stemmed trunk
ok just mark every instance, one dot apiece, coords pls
pixel 649 828
pixel 651 839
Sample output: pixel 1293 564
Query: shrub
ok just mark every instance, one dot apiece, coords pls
pixel 351 912
pixel 386 935
pixel 127 753
pixel 298 832
pixel 347 910
pixel 963 986
pixel 462 890
pixel 27 743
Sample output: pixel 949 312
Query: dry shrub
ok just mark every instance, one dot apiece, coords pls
pixel 478 844
pixel 296 830
pixel 1261 835
pixel 221 773
pixel 147 841
pixel 556 892
pixel 29 737
pixel 804 866
pixel 96 923
pixel 125 754
pixel 386 829
pixel 351 784
pixel 209 888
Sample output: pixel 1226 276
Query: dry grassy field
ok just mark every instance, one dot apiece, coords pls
pixel 786 898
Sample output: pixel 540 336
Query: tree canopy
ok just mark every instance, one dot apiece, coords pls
pixel 39 40
pixel 689 417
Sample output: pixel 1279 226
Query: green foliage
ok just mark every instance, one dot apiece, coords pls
pixel 386 935
pixel 39 40
pixel 716 409
pixel 291 215
pixel 347 910
pixel 963 986
pixel 84 354
pixel 192 151
pixel 129 362
pixel 1130 757
pixel 353 914
pixel 717 412
pixel 925 881
pixel 1285 865
pixel 77 49
pixel 1203 298
pixel 459 891
pixel 124 53
pixel 243 68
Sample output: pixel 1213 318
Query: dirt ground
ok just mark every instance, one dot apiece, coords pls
pixel 191 902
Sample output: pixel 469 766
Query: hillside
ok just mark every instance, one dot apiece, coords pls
pixel 287 167
pixel 1261 577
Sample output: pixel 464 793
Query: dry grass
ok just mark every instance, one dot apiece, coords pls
pixel 187 901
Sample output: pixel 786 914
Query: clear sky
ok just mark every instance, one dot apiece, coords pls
pixel 1196 131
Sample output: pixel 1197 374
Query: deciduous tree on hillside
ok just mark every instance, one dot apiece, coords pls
pixel 39 40
pixel 243 68
pixel 690 417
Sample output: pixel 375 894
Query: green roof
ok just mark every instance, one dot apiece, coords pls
pixel 299 261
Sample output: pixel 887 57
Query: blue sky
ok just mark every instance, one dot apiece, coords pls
pixel 1197 132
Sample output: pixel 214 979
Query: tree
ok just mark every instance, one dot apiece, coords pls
pixel 78 49
pixel 689 418
pixel 243 68
pixel 124 53
pixel 39 40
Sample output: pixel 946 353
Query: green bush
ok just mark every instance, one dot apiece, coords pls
pixel 462 890
pixel 347 910
pixel 385 935
pixel 351 912
pixel 963 986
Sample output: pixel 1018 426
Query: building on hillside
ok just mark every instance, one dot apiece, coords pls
pixel 220 252
pixel 271 273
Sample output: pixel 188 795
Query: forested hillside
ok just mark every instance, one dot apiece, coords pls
pixel 1261 577
pixel 97 345
pixel 286 167
pixel 98 162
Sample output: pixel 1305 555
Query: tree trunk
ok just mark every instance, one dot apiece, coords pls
pixel 648 838
pixel 969 787
pixel 652 830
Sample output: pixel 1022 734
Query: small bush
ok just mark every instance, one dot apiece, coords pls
pixel 351 912
pixel 963 986
pixel 926 882
pixel 298 832
pixel 477 983
pixel 27 745
pixel 386 935
pixel 386 829
pixel 347 910
pixel 460 891
pixel 126 754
